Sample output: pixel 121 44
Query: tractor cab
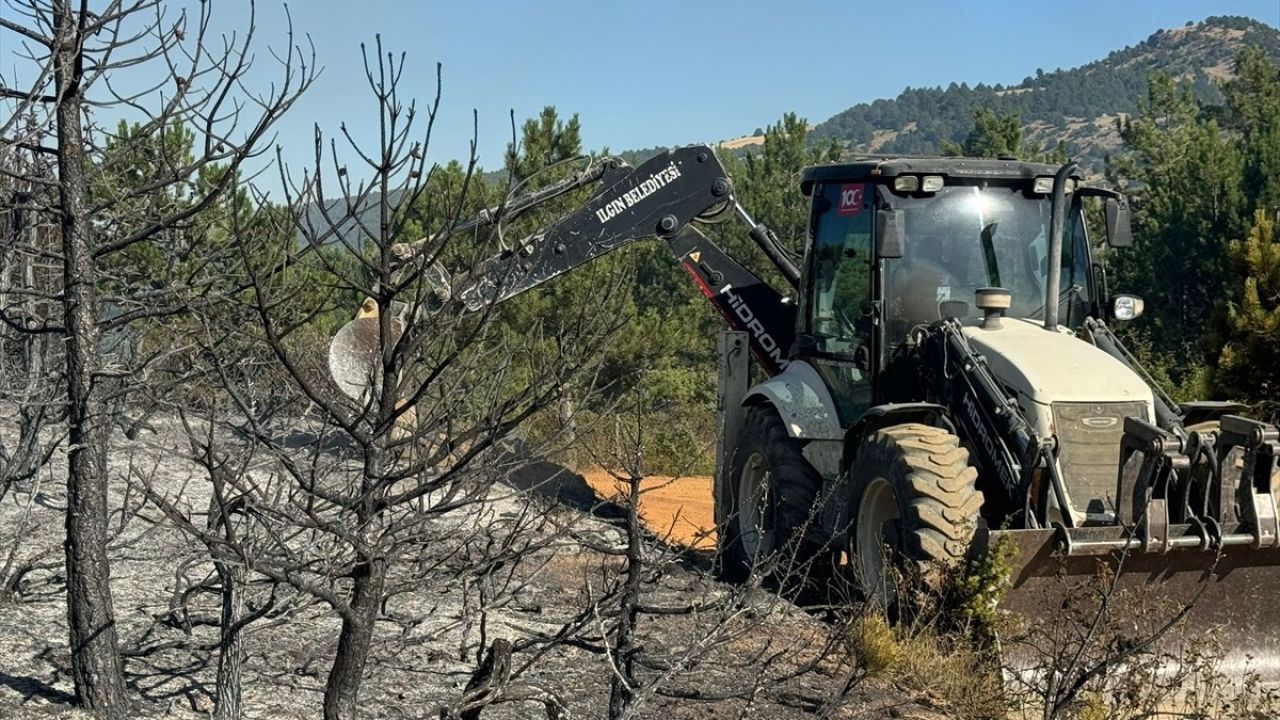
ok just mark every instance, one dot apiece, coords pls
pixel 901 243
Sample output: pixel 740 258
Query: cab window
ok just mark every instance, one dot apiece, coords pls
pixel 840 284
pixel 838 306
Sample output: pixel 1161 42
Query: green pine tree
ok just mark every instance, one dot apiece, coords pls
pixel 1253 102
pixel 1184 171
pixel 544 141
pixel 996 134
pixel 1248 366
pixel 767 182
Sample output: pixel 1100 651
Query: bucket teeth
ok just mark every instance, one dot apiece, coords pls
pixel 1152 465
pixel 1219 483
pixel 1254 491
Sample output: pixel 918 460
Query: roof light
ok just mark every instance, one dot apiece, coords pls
pixel 906 183
pixel 1044 185
pixel 931 183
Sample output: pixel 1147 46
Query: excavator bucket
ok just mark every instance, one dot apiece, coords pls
pixel 353 353
pixel 1191 571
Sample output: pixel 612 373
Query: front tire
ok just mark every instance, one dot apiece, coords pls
pixel 914 503
pixel 768 504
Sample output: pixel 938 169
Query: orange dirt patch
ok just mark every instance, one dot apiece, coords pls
pixel 678 509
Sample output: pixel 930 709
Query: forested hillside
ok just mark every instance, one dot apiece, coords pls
pixel 1078 106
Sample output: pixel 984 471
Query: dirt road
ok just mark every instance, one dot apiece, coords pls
pixel 679 509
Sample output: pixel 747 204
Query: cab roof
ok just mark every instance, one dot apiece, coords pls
pixel 878 166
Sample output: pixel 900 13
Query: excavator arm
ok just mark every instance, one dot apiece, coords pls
pixel 660 199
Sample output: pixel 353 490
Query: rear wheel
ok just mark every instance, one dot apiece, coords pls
pixel 767 504
pixel 914 503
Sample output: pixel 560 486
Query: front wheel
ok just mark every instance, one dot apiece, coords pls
pixel 914 503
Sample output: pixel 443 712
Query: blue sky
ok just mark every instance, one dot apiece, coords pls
pixel 665 72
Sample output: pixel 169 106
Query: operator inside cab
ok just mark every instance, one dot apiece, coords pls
pixel 921 282
pixel 958 238
pixel 967 237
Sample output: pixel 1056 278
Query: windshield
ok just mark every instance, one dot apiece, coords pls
pixel 965 237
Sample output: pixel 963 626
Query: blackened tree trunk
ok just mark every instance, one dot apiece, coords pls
pixel 19 273
pixel 95 659
pixel 232 576
pixel 343 686
pixel 623 685
pixel 229 702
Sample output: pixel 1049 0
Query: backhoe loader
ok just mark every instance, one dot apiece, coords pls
pixel 938 376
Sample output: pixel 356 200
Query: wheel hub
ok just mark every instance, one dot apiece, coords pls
pixel 754 526
pixel 875 540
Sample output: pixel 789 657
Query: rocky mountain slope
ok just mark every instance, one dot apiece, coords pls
pixel 1078 106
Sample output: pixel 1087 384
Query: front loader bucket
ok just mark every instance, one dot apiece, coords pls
pixel 1188 577
pixel 1132 608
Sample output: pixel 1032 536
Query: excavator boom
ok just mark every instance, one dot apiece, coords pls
pixel 661 199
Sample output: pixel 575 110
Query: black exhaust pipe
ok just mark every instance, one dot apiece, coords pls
pixel 1057 221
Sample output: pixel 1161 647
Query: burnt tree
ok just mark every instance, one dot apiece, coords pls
pixel 76 57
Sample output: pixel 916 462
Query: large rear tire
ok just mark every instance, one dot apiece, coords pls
pixel 767 505
pixel 913 502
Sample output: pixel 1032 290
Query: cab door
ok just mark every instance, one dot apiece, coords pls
pixel 837 295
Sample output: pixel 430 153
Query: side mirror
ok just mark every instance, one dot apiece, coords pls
pixel 1126 307
pixel 891 235
pixel 1119 230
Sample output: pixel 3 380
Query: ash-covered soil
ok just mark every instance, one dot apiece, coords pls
pixel 711 650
